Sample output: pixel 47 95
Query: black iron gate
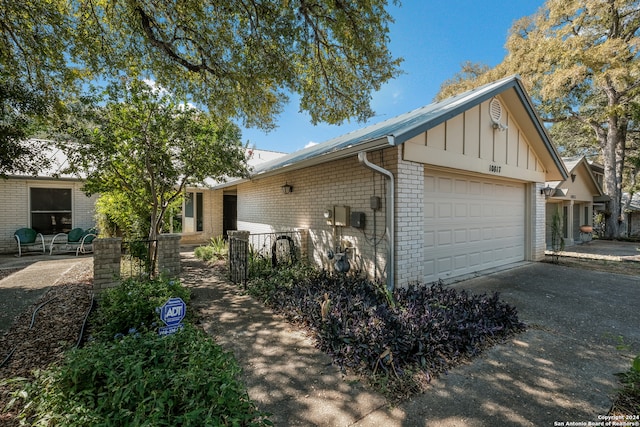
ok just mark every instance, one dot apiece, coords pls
pixel 238 258
pixel 136 258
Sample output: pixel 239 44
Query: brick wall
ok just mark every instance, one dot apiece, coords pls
pixel 108 251
pixel 106 263
pixel 263 208
pixel 168 255
pixel 409 222
pixel 537 221
pixel 14 209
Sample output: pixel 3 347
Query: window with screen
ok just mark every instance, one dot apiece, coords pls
pixel 51 210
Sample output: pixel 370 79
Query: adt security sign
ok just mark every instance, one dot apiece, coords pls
pixel 172 313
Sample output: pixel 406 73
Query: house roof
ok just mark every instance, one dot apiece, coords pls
pixel 573 164
pixel 634 205
pixel 58 161
pixel 399 129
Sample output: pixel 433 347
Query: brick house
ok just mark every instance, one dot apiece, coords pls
pixel 54 203
pixel 50 203
pixel 440 192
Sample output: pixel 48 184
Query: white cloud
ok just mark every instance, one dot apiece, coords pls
pixel 310 144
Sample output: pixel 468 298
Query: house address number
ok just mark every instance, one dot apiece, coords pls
pixel 494 168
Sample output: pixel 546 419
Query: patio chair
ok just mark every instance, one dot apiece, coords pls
pixel 28 237
pixel 86 243
pixel 77 240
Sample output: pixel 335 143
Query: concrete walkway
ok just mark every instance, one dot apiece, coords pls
pixel 607 250
pixel 36 275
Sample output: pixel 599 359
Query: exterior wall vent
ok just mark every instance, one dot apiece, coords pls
pixel 495 110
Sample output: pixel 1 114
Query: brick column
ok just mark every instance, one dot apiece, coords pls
pixel 106 263
pixel 168 255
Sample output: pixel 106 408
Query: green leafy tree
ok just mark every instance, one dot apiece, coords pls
pixel 146 147
pixel 579 59
pixel 21 110
pixel 237 59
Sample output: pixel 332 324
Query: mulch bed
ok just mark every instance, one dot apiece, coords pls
pixel 34 341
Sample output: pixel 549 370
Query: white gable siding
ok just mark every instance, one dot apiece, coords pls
pixel 469 142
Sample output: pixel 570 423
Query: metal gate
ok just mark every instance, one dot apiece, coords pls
pixel 239 257
pixel 136 259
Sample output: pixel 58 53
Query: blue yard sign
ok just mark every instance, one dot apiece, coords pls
pixel 172 313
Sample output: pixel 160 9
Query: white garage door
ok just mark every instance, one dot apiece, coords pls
pixel 471 224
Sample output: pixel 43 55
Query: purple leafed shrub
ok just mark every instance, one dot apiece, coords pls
pixel 368 330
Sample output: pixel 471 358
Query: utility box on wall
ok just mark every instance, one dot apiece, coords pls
pixel 357 219
pixel 341 216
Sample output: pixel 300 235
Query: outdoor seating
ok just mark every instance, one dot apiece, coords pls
pixel 29 238
pixel 77 240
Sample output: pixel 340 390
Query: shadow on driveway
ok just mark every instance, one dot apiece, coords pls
pixel 583 328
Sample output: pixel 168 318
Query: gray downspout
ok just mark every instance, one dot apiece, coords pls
pixel 390 214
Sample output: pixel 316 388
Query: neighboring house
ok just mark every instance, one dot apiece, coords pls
pixel 52 203
pixel 573 199
pixel 443 191
pixel 631 214
pixel 49 203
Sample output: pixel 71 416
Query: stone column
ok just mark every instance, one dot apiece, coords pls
pixel 106 263
pixel 168 255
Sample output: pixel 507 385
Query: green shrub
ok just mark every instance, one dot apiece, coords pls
pixel 217 249
pixel 204 253
pixel 142 380
pixel 133 305
pixel 268 282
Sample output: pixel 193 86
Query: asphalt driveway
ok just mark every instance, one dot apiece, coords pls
pixel 583 328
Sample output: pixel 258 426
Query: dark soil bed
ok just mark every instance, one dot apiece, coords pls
pixel 34 341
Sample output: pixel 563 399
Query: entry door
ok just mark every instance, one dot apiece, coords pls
pixel 471 224
pixel 229 214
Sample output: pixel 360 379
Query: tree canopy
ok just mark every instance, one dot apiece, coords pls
pixel 239 59
pixel 579 60
pixel 146 146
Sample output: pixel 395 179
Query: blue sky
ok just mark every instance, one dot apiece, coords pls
pixel 434 38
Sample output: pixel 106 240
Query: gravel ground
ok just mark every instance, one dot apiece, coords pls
pixel 34 341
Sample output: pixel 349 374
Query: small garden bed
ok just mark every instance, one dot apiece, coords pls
pixel 398 340
pixel 129 375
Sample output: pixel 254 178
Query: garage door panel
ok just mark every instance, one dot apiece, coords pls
pixel 479 224
pixel 444 238
pixel 444 211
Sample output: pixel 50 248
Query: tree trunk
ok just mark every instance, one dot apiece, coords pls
pixel 613 159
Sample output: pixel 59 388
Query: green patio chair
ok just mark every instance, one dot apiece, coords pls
pixel 77 240
pixel 27 238
pixel 86 243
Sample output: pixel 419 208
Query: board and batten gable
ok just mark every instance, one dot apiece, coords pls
pixel 470 142
pixel 481 193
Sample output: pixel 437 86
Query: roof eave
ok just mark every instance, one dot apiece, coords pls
pixel 343 153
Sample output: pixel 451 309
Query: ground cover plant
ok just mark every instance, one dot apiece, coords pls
pixel 395 339
pixel 628 400
pixel 136 377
